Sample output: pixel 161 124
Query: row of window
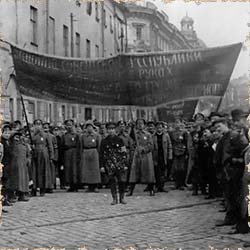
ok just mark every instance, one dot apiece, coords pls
pixel 52 37
pixel 97 17
pixel 57 113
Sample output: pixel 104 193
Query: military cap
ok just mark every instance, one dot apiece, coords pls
pixel 121 122
pixel 238 113
pixel 38 121
pixel 160 123
pixel 6 126
pixel 110 125
pixel 68 120
pixel 89 122
pixel 150 123
pixel 17 122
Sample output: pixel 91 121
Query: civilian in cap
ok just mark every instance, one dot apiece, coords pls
pixel 42 158
pixel 234 167
pixel 214 116
pixel 71 147
pixel 142 168
pixel 162 155
pixel 113 160
pixel 90 168
pixel 17 125
pixel 19 174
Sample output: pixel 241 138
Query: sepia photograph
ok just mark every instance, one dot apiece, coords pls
pixel 125 125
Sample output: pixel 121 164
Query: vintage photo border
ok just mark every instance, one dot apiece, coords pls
pixel 246 43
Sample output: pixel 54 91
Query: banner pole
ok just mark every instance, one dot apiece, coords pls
pixel 26 119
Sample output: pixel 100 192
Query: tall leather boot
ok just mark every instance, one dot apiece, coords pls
pixel 121 192
pixel 131 190
pixel 122 201
pixel 114 193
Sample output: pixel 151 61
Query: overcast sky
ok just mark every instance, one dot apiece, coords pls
pixel 216 23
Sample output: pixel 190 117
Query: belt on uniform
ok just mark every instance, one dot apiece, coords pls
pixel 89 147
pixel 67 148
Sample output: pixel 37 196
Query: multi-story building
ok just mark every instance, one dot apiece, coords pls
pixel 61 28
pixel 187 29
pixel 150 30
pixel 81 29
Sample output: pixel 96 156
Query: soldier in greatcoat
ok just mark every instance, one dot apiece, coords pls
pixel 162 154
pixel 52 173
pixel 90 142
pixel 104 177
pixel 41 160
pixel 142 168
pixel 113 159
pixel 19 174
pixel 71 147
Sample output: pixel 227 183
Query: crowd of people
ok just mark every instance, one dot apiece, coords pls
pixel 206 154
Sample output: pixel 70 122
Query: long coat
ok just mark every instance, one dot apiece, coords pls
pixel 71 147
pixel 90 158
pixel 42 154
pixel 142 168
pixel 52 170
pixel 167 148
pixel 19 174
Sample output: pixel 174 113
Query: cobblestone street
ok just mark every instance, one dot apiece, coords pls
pixel 74 220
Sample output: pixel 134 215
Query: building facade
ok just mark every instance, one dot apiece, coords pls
pixel 61 28
pixel 80 29
pixel 187 29
pixel 150 30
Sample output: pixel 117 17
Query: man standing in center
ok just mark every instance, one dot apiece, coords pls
pixel 90 142
pixel 113 158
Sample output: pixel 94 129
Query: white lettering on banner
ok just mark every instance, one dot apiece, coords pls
pixel 149 73
pixel 166 60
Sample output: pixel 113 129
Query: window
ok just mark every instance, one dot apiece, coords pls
pixel 63 113
pixel 138 33
pixel 88 114
pixel 78 45
pixel 73 112
pixel 52 36
pixel 50 113
pixel 104 18
pixel 89 8
pixel 66 40
pixel 111 24
pixel 97 51
pixel 97 12
pixel 33 20
pixel 88 54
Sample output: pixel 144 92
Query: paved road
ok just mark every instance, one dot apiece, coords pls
pixel 84 220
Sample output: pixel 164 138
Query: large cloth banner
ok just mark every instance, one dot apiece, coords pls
pixel 143 79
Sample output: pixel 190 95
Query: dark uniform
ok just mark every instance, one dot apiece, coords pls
pixel 128 142
pixel 113 159
pixel 71 159
pixel 234 168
